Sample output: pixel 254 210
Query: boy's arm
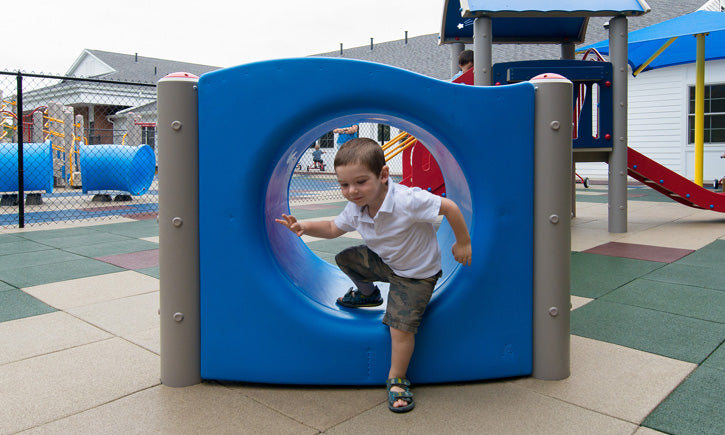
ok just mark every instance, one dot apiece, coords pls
pixel 462 248
pixel 322 229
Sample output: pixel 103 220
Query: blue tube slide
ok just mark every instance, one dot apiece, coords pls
pixel 37 167
pixel 267 302
pixel 121 168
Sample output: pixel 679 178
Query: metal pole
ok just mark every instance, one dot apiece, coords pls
pixel 699 108
pixel 179 229
pixel 21 157
pixel 482 51
pixel 456 50
pixel 552 226
pixel 568 50
pixel 618 157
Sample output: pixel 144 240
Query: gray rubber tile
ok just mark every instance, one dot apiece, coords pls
pixel 699 276
pixel 594 275
pixel 113 248
pixel 685 300
pixel 16 304
pixel 43 274
pixel 712 255
pixel 683 338
pixel 695 407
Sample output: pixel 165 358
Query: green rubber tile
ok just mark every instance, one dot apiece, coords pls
pixel 9 238
pixel 36 258
pixel 699 276
pixel 5 287
pixel 20 246
pixel 594 275
pixel 685 300
pixel 318 210
pixel 92 238
pixel 113 248
pixel 43 274
pixel 330 258
pixel 137 229
pixel 683 338
pixel 16 304
pixel 716 360
pixel 45 235
pixel 150 271
pixel 695 407
pixel 712 255
pixel 334 246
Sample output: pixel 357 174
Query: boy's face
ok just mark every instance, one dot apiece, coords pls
pixel 361 186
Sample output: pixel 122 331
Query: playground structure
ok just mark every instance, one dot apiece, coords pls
pixel 217 326
pixel 128 169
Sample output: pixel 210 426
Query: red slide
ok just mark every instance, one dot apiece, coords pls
pixel 673 185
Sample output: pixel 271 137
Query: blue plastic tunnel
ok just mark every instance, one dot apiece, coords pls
pixel 117 168
pixel 37 167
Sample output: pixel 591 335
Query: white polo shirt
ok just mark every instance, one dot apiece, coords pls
pixel 402 232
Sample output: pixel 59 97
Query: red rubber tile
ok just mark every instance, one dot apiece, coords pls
pixel 640 252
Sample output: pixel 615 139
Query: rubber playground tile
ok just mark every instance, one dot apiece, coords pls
pixel 699 276
pixel 5 287
pixel 150 271
pixel 83 240
pixel 138 229
pixel 716 360
pixel 133 260
pixel 332 209
pixel 712 255
pixel 30 276
pixel 22 245
pixel 594 275
pixel 16 304
pixel 695 407
pixel 36 258
pixel 698 302
pixel 9 238
pixel 56 234
pixel 334 246
pixel 113 248
pixel 640 252
pixel 683 338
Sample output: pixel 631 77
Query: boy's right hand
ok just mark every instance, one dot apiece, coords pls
pixel 291 223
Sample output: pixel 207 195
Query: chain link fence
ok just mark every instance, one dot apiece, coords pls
pixel 89 152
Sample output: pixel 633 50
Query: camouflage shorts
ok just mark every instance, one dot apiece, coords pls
pixel 407 298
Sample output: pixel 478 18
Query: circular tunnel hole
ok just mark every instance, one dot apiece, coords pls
pixel 307 190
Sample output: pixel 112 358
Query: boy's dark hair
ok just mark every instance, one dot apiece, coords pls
pixel 364 151
pixel 465 57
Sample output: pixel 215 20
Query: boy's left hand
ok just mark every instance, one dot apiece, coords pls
pixel 462 253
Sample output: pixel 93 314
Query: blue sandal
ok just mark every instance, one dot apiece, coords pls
pixel 355 299
pixel 394 396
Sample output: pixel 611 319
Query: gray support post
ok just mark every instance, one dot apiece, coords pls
pixel 568 50
pixel 482 51
pixel 552 226
pixel 456 50
pixel 38 135
pixel 618 157
pixel 179 230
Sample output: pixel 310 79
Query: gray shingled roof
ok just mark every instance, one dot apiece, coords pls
pixel 423 55
pixel 134 68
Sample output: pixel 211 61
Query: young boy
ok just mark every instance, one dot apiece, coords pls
pixel 401 248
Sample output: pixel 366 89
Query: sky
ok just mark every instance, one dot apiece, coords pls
pixel 46 36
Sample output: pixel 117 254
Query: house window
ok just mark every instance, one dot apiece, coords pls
pixel 327 140
pixel 148 136
pixel 714 114
pixel 383 133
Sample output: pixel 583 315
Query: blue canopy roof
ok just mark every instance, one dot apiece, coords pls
pixel 643 43
pixel 529 21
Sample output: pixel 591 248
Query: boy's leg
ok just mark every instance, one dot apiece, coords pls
pixel 402 345
pixel 363 267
